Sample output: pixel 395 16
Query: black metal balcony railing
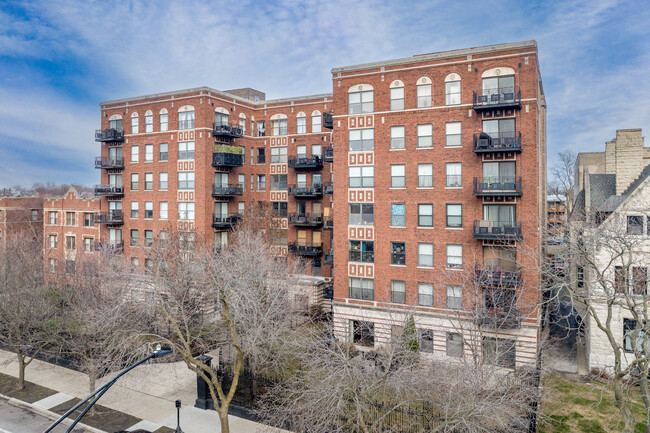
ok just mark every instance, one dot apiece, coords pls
pixel 109 190
pixel 495 276
pixel 109 134
pixel 227 159
pixel 304 191
pixel 305 250
pixel 315 220
pixel 497 230
pixel 328 121
pixel 329 224
pixel 499 318
pixel 109 164
pixel 110 246
pixel 497 186
pixel 305 162
pixel 225 221
pixel 115 217
pixel 490 99
pixel 497 142
pixel 219 130
pixel 328 154
pixel 328 188
pixel 227 190
pixel 328 258
pixel 362 256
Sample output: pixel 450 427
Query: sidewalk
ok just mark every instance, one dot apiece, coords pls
pixel 148 392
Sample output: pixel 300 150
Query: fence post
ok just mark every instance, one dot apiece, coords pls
pixel 204 399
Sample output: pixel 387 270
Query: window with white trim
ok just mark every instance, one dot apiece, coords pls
pixel 186 211
pixel 361 102
pixel 397 98
pixel 279 126
pixel 455 297
pixel 301 124
pixel 397 137
pixel 425 135
pixel 186 180
pixel 163 210
pixel 134 123
pixel 425 255
pixel 454 175
pixel 425 294
pixel 148 122
pixel 164 119
pixel 425 175
pixel 452 93
pixel 316 122
pixel 361 139
pixel 397 176
pixel 453 134
pixel 423 95
pixel 361 177
pixel 454 256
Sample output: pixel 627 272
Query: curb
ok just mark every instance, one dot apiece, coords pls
pixel 46 413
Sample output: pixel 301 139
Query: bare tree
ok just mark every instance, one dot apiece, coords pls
pixel 26 306
pixel 235 296
pixel 562 183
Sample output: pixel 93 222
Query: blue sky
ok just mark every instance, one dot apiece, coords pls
pixel 58 60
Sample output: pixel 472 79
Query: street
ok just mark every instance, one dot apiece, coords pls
pixel 18 420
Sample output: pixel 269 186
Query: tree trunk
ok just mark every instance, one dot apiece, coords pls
pixel 92 379
pixel 621 402
pixel 223 418
pixel 21 370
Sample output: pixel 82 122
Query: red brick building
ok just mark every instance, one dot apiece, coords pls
pixel 20 214
pixel 439 180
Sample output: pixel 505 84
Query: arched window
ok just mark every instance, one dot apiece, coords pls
pixel 221 116
pixel 134 123
pixel 301 123
pixel 186 117
pixel 164 119
pixel 316 121
pixel 360 99
pixel 452 89
pixel 242 123
pixel 498 85
pixel 423 93
pixel 115 122
pixel 148 121
pixel 397 95
pixel 279 122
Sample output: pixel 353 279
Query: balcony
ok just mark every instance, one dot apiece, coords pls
pixel 109 164
pixel 497 230
pixel 495 99
pixel 328 121
pixel 230 131
pixel 301 191
pixel 110 246
pixel 495 276
pixel 109 190
pixel 328 156
pixel 328 258
pixel 306 220
pixel 497 186
pixel 225 155
pixel 497 142
pixel 499 318
pixel 329 224
pixel 313 162
pixel 227 221
pixel 114 218
pixel 305 250
pixel 227 190
pixel 109 134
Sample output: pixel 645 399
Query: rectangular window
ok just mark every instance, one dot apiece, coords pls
pixel 397 176
pixel 363 333
pixel 362 288
pixel 135 181
pixel 89 245
pixel 425 135
pixel 241 178
pixel 425 175
pixel 631 339
pixel 134 238
pixel 279 127
pixel 89 219
pixel 148 153
pixel 70 218
pixel 454 344
pixel 148 181
pixel 580 277
pixel 455 297
pixel 186 211
pixel 261 182
pixel 301 125
pixel 70 243
pixel 361 214
pixel 453 134
pixel 261 128
pixel 53 217
pixel 620 279
pixel 398 215
pixel 361 102
pixel 148 210
pixel 186 120
pixel 148 238
pixel 135 154
pixel 186 150
pixel 425 215
pixel 53 241
pixel 280 208
pixel 164 210
pixel 452 93
pixel 134 209
pixel 53 265
pixel 163 179
pixel 425 340
pixel 425 294
pixel 278 182
pixel 316 123
pixel 362 177
pixel 361 139
pixel 423 95
pixel 397 137
pixel 252 181
pixel 635 225
pixel 397 98
pixel 425 255
pixel 454 256
pixel 164 118
pixel 398 292
pixel 454 175
pixel 134 123
pixel 261 155
pixel 639 280
pixel 186 180
pixel 34 214
pixel 278 155
pixel 163 152
pixel 362 251
pixel 499 351
pixel 397 253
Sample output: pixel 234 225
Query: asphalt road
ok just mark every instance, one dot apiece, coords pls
pixel 18 420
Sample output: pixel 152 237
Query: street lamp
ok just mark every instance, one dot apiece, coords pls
pixel 99 392
pixel 178 417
